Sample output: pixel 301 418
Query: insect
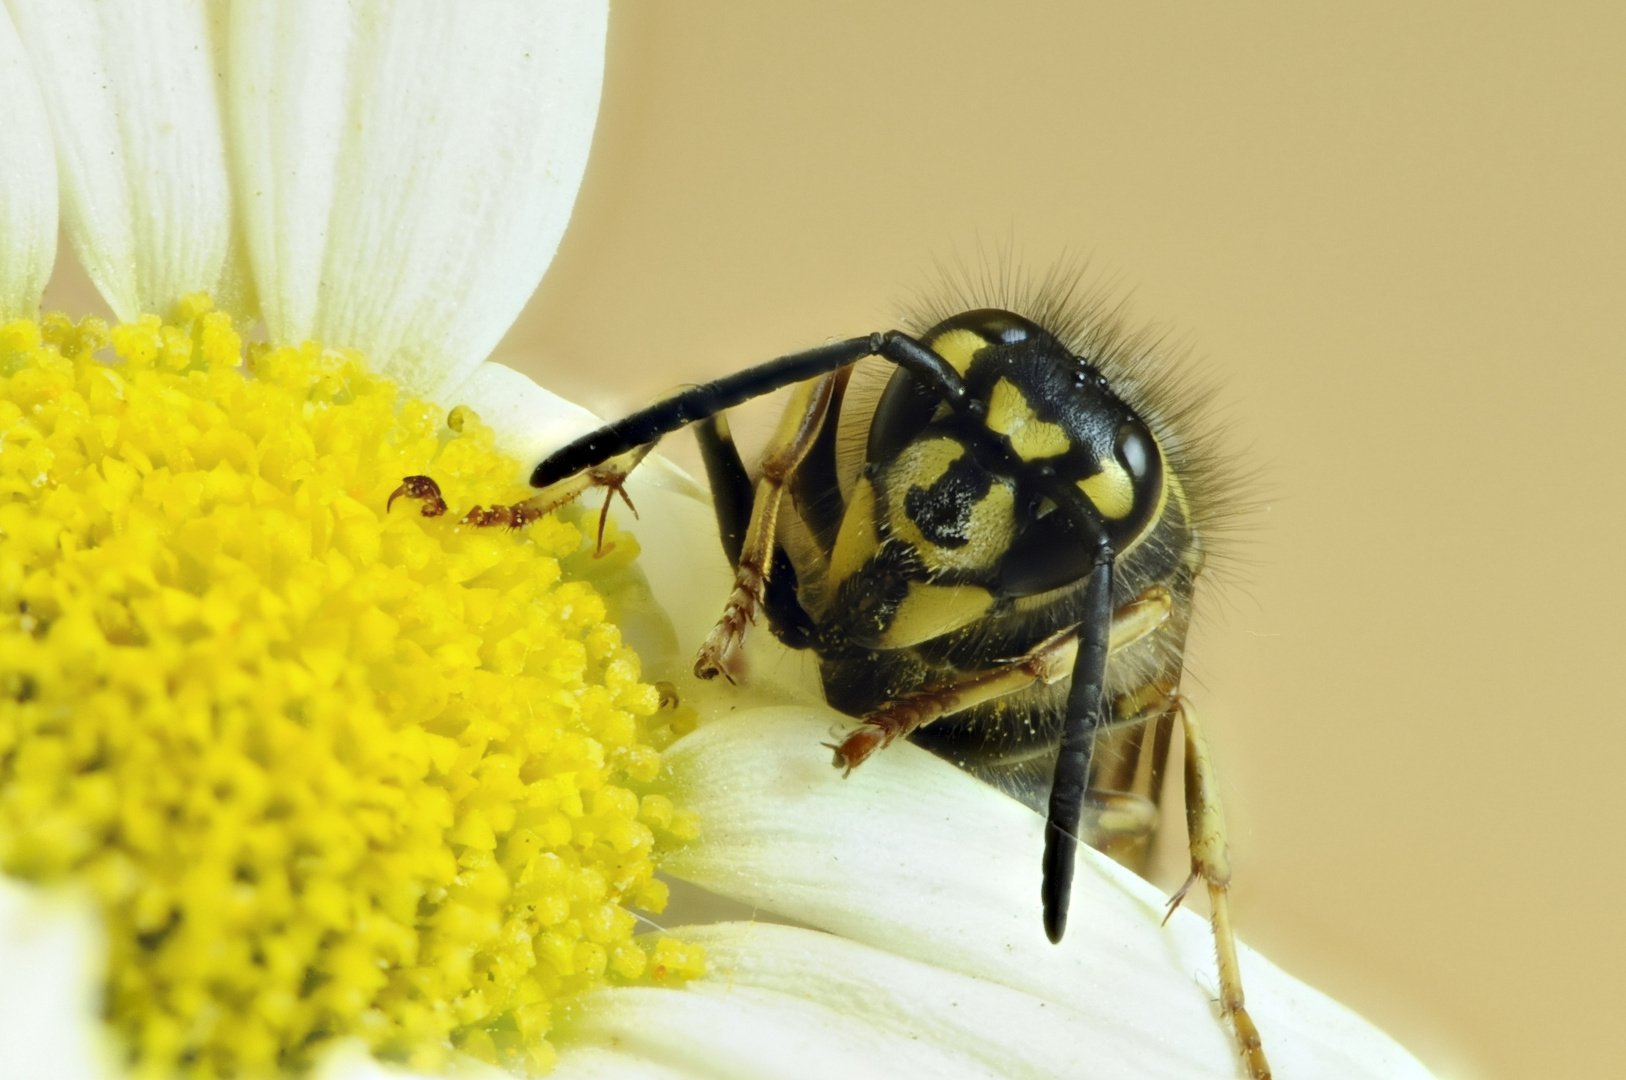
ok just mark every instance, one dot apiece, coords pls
pixel 996 561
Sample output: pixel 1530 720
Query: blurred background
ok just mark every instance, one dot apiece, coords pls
pixel 1396 235
pixel 1396 239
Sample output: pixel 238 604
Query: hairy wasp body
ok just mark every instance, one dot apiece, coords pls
pixel 997 561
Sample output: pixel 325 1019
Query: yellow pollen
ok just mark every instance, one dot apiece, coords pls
pixel 328 772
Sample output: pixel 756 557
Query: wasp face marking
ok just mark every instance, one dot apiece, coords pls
pixel 948 507
pixel 1110 490
pixel 1031 439
pixel 958 347
pixel 929 611
pixel 1000 569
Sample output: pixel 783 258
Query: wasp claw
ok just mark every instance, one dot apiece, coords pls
pixel 714 662
pixel 838 760
pixel 422 488
pixel 859 745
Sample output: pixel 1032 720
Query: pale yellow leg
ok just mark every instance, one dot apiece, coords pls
pixel 1211 864
pixel 1047 662
pixel 804 416
pixel 610 475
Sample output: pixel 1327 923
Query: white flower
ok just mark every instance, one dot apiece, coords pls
pixel 395 177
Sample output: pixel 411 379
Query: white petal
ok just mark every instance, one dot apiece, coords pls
pixel 603 1063
pixel 681 556
pixel 747 1033
pixel 131 92
pixel 286 107
pixel 1009 1032
pixel 50 960
pixel 530 421
pixel 27 184
pixel 913 856
pixel 408 169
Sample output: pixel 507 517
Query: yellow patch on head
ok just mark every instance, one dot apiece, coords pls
pixel 1010 415
pixel 929 611
pixel 989 528
pixel 1111 490
pixel 958 347
pixel 922 463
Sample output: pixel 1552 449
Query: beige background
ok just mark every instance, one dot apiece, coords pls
pixel 1398 238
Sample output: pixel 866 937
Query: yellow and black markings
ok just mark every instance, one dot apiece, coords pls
pixel 1002 572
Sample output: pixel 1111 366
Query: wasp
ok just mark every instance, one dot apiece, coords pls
pixel 997 561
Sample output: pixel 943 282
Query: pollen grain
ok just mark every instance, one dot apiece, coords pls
pixel 327 771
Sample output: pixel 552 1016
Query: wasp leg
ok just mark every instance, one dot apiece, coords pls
pixel 1047 662
pixel 804 416
pixel 424 490
pixel 1131 757
pixel 610 474
pixel 733 498
pixel 732 494
pixel 816 488
pixel 1211 864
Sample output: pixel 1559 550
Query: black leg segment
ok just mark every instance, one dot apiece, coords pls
pixel 787 618
pixel 732 493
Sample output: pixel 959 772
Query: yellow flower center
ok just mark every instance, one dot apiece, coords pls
pixel 328 771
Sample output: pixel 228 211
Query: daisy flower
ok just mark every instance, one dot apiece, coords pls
pixel 291 779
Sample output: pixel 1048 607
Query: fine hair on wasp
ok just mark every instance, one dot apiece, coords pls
pixel 994 556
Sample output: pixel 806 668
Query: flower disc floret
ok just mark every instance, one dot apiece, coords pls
pixel 327 771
